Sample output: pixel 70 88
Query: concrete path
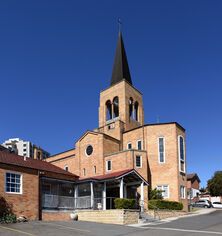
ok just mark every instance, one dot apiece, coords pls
pixel 204 224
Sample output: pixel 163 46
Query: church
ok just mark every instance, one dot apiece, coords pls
pixel 124 157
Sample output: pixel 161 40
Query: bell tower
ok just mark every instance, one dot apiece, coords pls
pixel 121 105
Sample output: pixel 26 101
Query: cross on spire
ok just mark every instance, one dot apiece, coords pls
pixel 120 24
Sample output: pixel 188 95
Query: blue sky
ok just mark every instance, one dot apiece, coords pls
pixel 56 56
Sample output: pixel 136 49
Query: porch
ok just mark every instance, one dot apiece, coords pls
pixel 96 193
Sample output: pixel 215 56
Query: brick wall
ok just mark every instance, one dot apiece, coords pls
pixel 56 215
pixel 27 203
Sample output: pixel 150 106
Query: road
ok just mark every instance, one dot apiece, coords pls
pixel 209 224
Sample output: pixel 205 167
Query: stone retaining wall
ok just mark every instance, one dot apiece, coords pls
pixel 163 214
pixel 121 216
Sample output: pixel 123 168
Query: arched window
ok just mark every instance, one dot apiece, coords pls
pixel 115 107
pixel 131 108
pixel 108 110
pixel 136 110
pixel 181 153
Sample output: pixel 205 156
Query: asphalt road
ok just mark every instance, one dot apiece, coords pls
pixel 209 224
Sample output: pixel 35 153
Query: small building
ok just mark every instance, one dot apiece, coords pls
pixel 193 185
pixel 23 180
pixel 26 148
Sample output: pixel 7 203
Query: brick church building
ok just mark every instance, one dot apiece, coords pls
pixel 124 157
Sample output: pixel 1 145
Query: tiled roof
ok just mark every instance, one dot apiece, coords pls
pixel 192 176
pixel 13 159
pixel 108 176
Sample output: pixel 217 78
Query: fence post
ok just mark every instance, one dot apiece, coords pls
pixel 92 194
pixel 104 196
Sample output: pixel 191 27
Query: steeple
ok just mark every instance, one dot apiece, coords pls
pixel 120 66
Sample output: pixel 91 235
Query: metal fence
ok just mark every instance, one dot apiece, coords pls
pixel 50 201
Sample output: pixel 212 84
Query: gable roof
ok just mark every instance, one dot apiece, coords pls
pixel 16 160
pixel 193 176
pixel 114 175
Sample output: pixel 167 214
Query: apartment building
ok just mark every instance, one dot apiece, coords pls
pixel 25 148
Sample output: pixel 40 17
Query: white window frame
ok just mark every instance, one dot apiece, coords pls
pixel 66 166
pixel 21 182
pixel 161 187
pixel 164 156
pixel 182 194
pixel 107 165
pixel 128 146
pixel 184 154
pixel 140 161
pixel 141 144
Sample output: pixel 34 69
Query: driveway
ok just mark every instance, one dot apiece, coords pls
pixel 209 224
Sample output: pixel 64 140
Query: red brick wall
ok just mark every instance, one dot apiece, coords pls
pixel 55 216
pixel 27 203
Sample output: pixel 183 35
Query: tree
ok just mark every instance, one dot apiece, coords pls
pixel 155 194
pixel 214 185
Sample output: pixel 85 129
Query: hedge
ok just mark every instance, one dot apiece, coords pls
pixel 162 204
pixel 124 203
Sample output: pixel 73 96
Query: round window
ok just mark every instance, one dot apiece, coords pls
pixel 89 150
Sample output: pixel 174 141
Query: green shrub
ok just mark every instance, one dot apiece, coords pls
pixel 6 213
pixel 10 218
pixel 124 203
pixel 162 204
pixel 155 194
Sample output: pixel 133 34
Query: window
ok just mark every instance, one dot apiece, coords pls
pixel 161 150
pixel 136 107
pixel 181 153
pixel 89 150
pixel 138 161
pixel 46 188
pixel 131 108
pixel 164 189
pixel 108 165
pixel 94 169
pixel 139 145
pixel 182 192
pixel 66 168
pixel 13 183
pixel 115 107
pixel 108 110
pixel 84 171
pixel 129 146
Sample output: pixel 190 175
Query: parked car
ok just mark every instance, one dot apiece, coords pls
pixel 217 204
pixel 202 203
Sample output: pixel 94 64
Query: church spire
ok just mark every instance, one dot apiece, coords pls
pixel 120 66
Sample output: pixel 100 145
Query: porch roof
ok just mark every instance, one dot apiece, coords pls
pixel 115 176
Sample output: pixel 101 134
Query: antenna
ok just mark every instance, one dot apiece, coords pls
pixel 157 119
